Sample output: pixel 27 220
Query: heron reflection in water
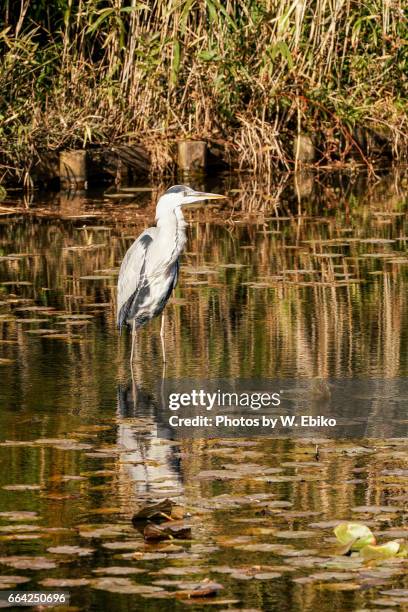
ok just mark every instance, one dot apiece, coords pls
pixel 149 270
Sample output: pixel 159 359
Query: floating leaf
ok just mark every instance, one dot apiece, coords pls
pixel 17 528
pixel 267 575
pixel 71 550
pixel 9 582
pixel 381 552
pixel 125 545
pixel 354 535
pixel 60 583
pixel 28 563
pixel 118 570
pixel 21 487
pixel 181 571
pixel 21 515
pixel 376 509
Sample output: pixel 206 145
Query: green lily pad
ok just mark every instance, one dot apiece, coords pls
pixel 381 552
pixel 354 535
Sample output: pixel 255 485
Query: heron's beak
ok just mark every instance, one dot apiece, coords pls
pixel 199 196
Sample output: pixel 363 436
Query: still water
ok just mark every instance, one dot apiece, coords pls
pixel 298 280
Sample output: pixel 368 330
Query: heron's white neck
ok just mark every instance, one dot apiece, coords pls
pixel 172 233
pixel 171 218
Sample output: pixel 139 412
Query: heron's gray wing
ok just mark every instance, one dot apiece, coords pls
pixel 131 273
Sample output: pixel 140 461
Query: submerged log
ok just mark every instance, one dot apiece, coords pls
pixel 73 170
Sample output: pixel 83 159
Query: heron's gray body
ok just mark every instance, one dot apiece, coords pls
pixel 149 271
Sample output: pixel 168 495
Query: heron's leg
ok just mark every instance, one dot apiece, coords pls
pixel 162 338
pixel 134 388
pixel 133 341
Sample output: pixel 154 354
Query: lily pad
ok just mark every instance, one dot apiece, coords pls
pixel 381 552
pixel 354 536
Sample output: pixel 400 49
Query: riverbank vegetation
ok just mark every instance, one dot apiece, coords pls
pixel 246 76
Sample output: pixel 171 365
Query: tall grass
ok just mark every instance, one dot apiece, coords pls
pixel 246 74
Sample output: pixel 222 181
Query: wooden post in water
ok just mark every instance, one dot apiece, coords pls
pixel 303 149
pixel 192 156
pixel 73 171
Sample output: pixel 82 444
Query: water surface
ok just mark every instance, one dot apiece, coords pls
pixel 296 280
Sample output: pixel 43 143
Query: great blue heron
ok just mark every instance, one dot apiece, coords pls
pixel 149 270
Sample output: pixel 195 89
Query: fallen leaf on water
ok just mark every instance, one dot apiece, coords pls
pixel 28 563
pixel 21 536
pixel 267 576
pixel 118 570
pixel 376 509
pixel 70 550
pixel 17 528
pixel 77 446
pixel 21 515
pixel 8 582
pixel 381 552
pixel 385 603
pixel 324 524
pixel 144 556
pixel 64 582
pixel 52 441
pixel 181 571
pixel 323 576
pixel 21 487
pixel 157 595
pixel 125 545
pixel 100 531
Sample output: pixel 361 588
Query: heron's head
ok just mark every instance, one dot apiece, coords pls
pixel 181 195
